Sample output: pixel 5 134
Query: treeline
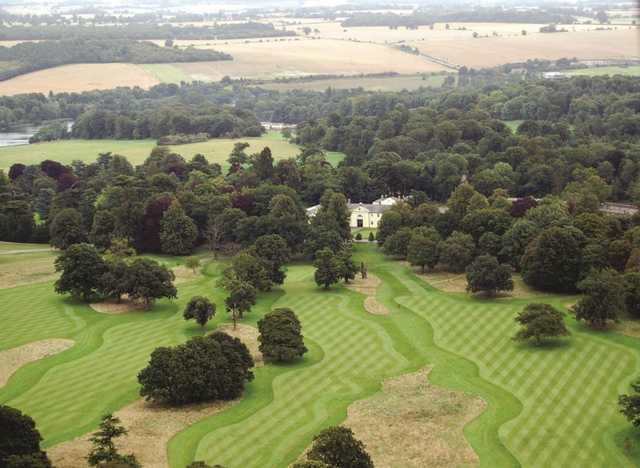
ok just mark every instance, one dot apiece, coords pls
pixel 478 15
pixel 141 31
pixel 288 107
pixel 31 56
pixel 205 121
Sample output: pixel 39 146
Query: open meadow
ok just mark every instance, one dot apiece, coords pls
pixel 516 405
pixel 136 151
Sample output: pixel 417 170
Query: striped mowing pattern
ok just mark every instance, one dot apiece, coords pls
pixel 357 354
pixel 569 391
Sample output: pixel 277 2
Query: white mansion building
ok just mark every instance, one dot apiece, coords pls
pixel 364 215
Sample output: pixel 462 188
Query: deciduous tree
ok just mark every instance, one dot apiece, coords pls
pixel 603 300
pixel 486 275
pixel 199 309
pixel 327 268
pixel 81 268
pixel 281 336
pixel 540 321
pixel 337 446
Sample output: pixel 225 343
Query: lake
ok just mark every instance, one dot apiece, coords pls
pixel 18 135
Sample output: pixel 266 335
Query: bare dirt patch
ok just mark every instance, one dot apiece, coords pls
pixel 115 307
pixel 368 287
pixel 13 359
pixel 249 336
pixel 415 424
pixel 184 274
pixel 150 428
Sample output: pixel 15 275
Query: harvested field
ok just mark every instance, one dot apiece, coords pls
pixel 412 423
pixel 78 78
pixel 150 429
pixel 492 51
pixel 302 57
pixel 368 287
pixel 13 359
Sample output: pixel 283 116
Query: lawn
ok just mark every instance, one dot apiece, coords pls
pixel 216 150
pixel 549 406
pixel 596 71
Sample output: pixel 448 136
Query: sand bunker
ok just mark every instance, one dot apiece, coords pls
pixel 415 424
pixel 368 287
pixel 13 359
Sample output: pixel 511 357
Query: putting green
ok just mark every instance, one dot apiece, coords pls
pixel 554 405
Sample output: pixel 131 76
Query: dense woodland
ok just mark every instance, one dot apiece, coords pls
pixel 26 57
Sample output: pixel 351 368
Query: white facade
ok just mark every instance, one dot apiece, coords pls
pixel 363 215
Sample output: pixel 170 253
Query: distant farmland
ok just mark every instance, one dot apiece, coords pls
pixel 78 78
pixel 492 51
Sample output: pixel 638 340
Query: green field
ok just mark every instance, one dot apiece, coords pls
pixel 167 73
pixel 548 406
pixel 633 70
pixel 216 150
pixel 385 83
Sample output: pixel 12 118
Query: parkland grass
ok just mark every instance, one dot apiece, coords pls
pixel 546 406
pixel 216 150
